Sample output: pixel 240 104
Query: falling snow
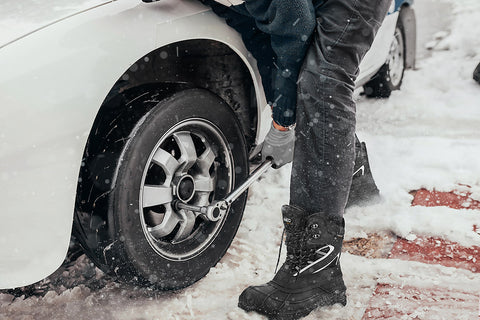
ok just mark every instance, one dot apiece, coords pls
pixel 425 136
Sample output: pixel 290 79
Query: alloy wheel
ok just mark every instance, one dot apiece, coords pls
pixel 191 163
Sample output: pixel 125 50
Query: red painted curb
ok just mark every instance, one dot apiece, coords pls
pixel 437 251
pixel 452 199
pixel 407 302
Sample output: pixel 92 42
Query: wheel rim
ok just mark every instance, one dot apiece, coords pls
pixel 396 60
pixel 193 164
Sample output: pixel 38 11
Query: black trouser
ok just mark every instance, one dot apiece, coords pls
pixel 324 146
pixel 325 131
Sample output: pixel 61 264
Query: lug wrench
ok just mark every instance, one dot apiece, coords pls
pixel 217 209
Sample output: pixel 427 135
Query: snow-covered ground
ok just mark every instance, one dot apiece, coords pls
pixel 426 135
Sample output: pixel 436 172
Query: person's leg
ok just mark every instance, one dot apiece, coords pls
pixel 363 188
pixel 325 144
pixel 323 164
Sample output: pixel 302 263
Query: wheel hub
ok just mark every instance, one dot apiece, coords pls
pixel 185 188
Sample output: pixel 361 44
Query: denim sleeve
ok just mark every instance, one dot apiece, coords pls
pixel 290 24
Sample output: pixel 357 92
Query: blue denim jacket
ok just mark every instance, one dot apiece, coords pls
pixel 285 27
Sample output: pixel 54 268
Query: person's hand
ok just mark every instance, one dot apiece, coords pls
pixel 278 145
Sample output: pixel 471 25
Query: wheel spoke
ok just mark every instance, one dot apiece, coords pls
pixel 394 48
pixel 167 162
pixel 187 150
pixel 206 160
pixel 187 222
pixel 204 184
pixel 156 195
pixel 203 198
pixel 170 220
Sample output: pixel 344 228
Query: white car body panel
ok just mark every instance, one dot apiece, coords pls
pixel 19 18
pixel 52 84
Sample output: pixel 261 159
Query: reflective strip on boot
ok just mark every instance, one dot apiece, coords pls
pixel 325 256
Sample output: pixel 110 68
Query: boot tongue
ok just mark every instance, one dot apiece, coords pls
pixel 293 218
pixel 324 230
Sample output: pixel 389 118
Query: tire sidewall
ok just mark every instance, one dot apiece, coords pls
pixel 139 257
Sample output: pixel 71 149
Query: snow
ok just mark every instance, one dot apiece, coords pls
pixel 425 136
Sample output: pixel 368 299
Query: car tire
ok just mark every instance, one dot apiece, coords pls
pixel 476 74
pixel 190 147
pixel 390 75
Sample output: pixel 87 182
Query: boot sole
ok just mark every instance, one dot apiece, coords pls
pixel 329 300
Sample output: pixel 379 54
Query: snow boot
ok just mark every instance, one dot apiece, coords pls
pixel 363 188
pixel 310 277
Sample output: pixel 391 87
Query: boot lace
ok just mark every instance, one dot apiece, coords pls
pixel 294 251
pixel 280 250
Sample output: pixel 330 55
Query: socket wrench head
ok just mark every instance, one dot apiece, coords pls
pixel 213 212
pixel 216 211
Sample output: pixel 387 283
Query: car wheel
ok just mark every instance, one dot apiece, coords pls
pixel 189 148
pixel 390 75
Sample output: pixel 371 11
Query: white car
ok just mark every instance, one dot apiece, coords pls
pixel 112 110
